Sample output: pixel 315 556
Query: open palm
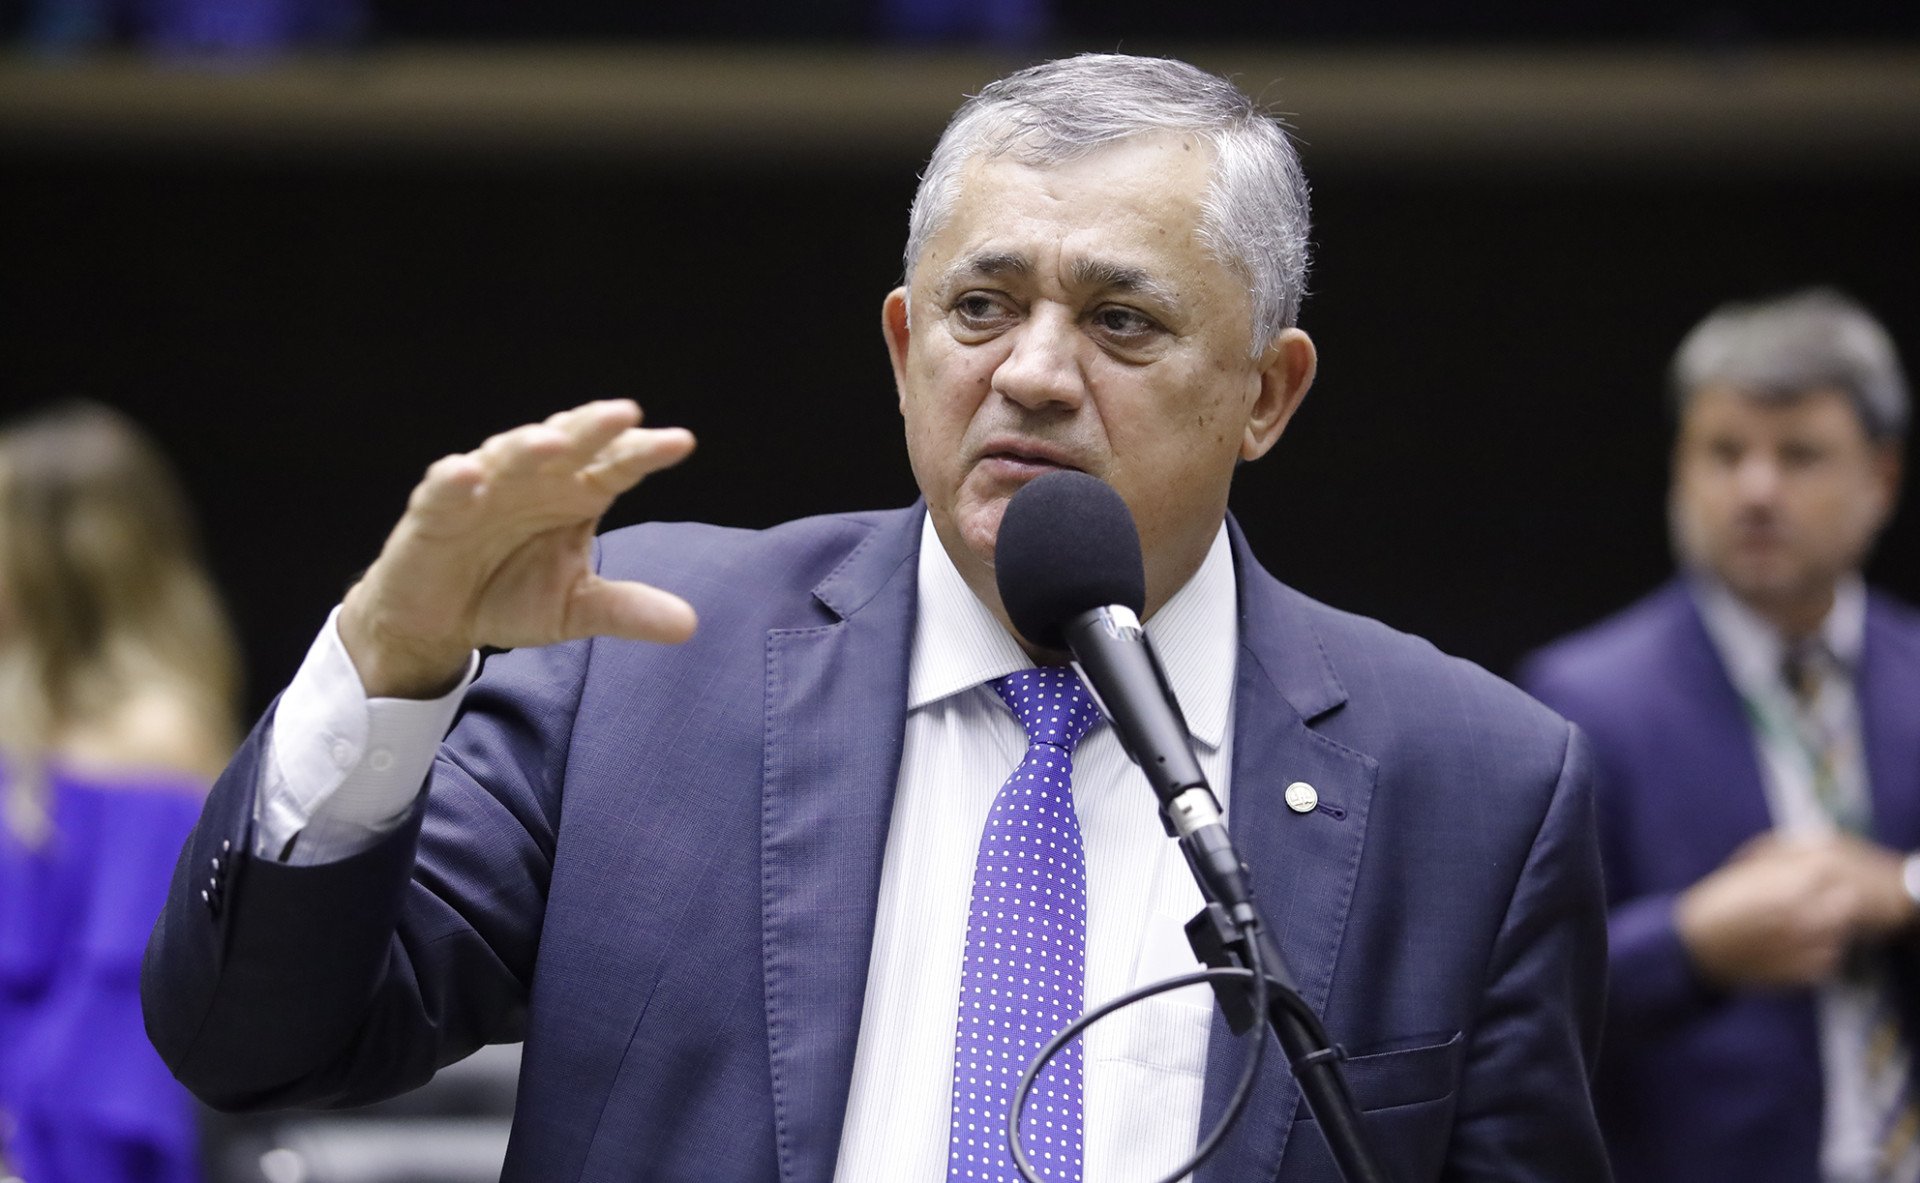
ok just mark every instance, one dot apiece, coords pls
pixel 495 549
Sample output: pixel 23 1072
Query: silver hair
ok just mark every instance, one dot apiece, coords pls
pixel 1782 349
pixel 1254 218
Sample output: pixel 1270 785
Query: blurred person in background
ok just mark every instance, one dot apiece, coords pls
pixel 1757 723
pixel 117 700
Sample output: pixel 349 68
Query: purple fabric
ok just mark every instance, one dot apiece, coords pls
pixel 1024 978
pixel 85 1095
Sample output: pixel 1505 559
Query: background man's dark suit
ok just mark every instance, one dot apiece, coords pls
pixel 658 865
pixel 1695 1083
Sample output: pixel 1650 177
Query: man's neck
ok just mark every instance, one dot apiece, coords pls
pixel 980 579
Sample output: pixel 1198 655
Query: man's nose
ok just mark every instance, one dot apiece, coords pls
pixel 1758 478
pixel 1043 367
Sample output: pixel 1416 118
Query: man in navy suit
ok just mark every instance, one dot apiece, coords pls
pixel 718 880
pixel 1757 726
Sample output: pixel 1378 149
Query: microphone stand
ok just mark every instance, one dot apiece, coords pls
pixel 1221 943
pixel 1157 741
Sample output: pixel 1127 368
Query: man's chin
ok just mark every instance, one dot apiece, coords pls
pixel 971 532
pixel 1769 589
pixel 980 529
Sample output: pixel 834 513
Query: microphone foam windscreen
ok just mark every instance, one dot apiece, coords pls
pixel 1067 545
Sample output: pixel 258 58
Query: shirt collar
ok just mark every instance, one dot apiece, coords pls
pixel 1753 649
pixel 958 644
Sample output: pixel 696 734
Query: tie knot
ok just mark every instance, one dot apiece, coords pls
pixel 1050 703
pixel 1806 664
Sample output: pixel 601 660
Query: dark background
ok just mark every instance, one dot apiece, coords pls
pixel 1481 461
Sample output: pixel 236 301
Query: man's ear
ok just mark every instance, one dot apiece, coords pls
pixel 1285 373
pixel 894 326
pixel 1888 471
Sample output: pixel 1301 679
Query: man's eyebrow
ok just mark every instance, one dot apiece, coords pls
pixel 1103 275
pixel 1098 274
pixel 991 263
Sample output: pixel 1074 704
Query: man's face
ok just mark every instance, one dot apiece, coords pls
pixel 1072 317
pixel 1778 499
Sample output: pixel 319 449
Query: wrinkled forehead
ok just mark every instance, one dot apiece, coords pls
pixel 1048 154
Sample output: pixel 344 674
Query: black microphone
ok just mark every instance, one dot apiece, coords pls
pixel 1067 562
pixel 1068 565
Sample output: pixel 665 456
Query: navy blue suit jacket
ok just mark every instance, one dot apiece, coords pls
pixel 1695 1083
pixel 659 866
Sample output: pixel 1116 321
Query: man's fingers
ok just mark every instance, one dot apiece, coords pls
pixel 1822 960
pixel 590 427
pixel 597 448
pixel 562 442
pixel 1827 913
pixel 636 453
pixel 613 608
pixel 1763 843
pixel 574 420
pixel 449 481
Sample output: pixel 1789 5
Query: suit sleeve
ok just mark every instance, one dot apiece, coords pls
pixel 1651 978
pixel 1526 1110
pixel 268 985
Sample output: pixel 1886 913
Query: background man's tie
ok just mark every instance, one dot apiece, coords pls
pixel 1024 977
pixel 1809 669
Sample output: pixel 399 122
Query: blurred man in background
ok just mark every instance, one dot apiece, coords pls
pixel 1757 723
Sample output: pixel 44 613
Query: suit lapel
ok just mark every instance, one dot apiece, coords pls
pixel 836 701
pixel 1304 865
pixel 1889 688
pixel 1729 805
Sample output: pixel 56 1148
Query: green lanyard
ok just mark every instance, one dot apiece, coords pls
pixel 1849 816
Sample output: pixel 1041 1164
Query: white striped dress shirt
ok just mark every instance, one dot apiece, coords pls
pixel 1144 1066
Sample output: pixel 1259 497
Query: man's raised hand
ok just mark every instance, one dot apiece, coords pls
pixel 495 549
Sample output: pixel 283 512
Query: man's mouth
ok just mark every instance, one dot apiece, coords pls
pixel 1759 544
pixel 1026 457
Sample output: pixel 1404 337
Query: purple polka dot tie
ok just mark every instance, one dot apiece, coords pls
pixel 1024 978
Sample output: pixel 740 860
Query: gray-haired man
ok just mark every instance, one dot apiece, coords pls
pixel 1759 744
pixel 748 898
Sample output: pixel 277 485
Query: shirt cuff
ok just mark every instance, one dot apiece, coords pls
pixel 342 769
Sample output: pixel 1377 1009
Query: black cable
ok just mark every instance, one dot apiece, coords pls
pixel 1242 1092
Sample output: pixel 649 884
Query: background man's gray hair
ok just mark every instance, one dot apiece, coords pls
pixel 1254 219
pixel 1782 349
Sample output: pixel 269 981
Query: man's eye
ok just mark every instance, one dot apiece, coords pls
pixel 1124 322
pixel 1799 455
pixel 979 309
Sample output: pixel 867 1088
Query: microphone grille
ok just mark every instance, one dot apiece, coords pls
pixel 1067 545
